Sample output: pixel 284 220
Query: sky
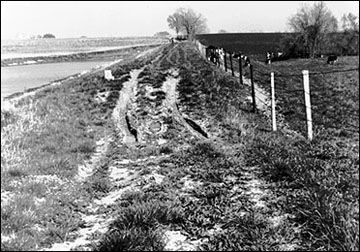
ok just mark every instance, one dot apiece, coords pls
pixel 72 19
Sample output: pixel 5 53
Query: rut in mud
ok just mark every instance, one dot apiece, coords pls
pixel 132 129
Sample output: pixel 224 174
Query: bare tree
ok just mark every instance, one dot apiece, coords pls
pixel 175 22
pixel 350 22
pixel 349 44
pixel 313 23
pixel 188 21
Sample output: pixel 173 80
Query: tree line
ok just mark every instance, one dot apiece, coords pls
pixel 314 31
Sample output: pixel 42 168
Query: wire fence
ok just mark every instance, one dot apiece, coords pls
pixel 291 97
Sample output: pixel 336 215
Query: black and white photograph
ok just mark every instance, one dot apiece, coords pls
pixel 179 125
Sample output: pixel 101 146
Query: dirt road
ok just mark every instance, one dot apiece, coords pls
pixel 172 155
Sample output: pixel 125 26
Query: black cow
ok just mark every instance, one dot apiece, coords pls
pixel 214 57
pixel 236 55
pixel 217 57
pixel 213 54
pixel 332 59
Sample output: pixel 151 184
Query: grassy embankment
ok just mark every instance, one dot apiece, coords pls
pixel 314 181
pixel 215 168
pixel 44 139
pixel 317 181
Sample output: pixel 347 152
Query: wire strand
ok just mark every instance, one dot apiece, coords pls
pixel 338 71
pixel 258 73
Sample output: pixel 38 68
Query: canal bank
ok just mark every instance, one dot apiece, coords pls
pixel 19 79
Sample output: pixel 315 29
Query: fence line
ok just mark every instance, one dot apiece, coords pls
pixel 306 90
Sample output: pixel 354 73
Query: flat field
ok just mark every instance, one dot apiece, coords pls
pixel 334 92
pixel 253 44
pixel 33 46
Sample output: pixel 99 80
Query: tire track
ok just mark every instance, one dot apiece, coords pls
pixel 87 169
pixel 98 223
pixel 127 95
pixel 169 87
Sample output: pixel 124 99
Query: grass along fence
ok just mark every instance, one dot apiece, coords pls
pixel 230 63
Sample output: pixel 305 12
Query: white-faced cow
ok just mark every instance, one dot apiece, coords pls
pixel 268 58
pixel 217 56
pixel 221 56
pixel 210 53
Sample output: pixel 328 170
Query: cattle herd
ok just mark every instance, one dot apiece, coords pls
pixel 217 55
pixel 271 57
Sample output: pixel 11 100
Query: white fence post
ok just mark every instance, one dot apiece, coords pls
pixel 273 115
pixel 307 104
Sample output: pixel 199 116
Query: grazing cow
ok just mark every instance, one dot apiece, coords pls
pixel 213 54
pixel 221 55
pixel 214 57
pixel 268 58
pixel 217 56
pixel 332 59
pixel 209 52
